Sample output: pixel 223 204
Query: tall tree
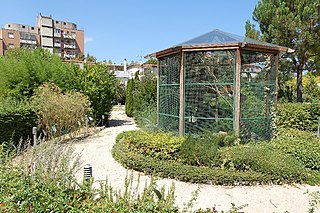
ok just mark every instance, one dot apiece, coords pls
pixel 251 31
pixel 294 24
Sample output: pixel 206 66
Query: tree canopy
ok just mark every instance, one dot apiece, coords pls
pixel 294 24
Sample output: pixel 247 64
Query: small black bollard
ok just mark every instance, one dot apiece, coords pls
pixel 87 172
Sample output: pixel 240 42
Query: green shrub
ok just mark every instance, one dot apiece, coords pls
pixel 129 98
pixel 146 118
pixel 23 70
pixel 161 146
pixel 171 169
pixel 59 113
pixel 264 158
pixel 302 116
pixel 207 159
pixel 145 93
pixel 96 82
pixel 42 180
pixel 16 121
pixel 202 150
pixel 301 145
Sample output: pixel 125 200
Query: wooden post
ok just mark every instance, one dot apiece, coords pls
pixel 277 86
pixel 158 83
pixel 237 99
pixel 181 112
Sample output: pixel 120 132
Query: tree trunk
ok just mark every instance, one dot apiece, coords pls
pixel 299 85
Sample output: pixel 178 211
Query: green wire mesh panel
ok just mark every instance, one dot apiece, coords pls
pixel 169 93
pixel 209 89
pixel 258 89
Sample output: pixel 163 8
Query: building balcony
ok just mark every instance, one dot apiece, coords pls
pixel 69 36
pixel 57 45
pixel 69 56
pixel 70 46
pixel 25 41
pixel 57 35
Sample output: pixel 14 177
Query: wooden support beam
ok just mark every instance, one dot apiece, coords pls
pixel 158 83
pixel 181 112
pixel 277 86
pixel 237 98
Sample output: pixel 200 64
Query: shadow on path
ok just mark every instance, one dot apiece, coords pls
pixel 115 123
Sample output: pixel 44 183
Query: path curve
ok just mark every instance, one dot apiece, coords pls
pixel 96 150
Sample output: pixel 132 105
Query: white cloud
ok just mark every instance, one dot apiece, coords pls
pixel 88 39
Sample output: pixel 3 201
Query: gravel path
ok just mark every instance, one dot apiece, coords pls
pixel 96 150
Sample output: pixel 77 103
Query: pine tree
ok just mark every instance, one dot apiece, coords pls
pixel 294 24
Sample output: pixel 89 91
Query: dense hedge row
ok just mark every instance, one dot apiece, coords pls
pixel 254 163
pixel 171 169
pixel 301 145
pixel 302 116
pixel 16 121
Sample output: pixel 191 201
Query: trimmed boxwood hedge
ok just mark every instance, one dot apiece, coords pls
pixel 194 174
pixel 259 164
pixel 275 162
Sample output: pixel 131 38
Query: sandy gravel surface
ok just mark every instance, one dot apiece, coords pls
pixel 96 150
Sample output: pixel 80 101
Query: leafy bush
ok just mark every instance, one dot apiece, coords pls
pixel 129 98
pixel 16 121
pixel 301 145
pixel 207 159
pixel 145 92
pixel 146 118
pixel 96 82
pixel 202 150
pixel 59 113
pixel 23 70
pixel 171 169
pixel 42 180
pixel 261 157
pixel 161 146
pixel 302 116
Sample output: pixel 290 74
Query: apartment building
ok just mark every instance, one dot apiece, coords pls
pixel 59 37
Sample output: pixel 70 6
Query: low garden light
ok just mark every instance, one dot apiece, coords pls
pixel 87 172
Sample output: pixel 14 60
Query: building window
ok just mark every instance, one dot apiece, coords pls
pixel 56 30
pixel 57 22
pixel 10 35
pixel 64 23
pixel 32 28
pixel 10 45
pixel 9 25
pixel 23 27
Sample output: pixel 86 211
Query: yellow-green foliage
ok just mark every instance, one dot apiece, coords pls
pixel 302 116
pixel 57 110
pixel 289 159
pixel 162 146
pixel 301 145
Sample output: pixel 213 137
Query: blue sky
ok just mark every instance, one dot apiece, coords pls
pixel 131 29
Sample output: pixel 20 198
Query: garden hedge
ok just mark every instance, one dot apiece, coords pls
pixel 175 170
pixel 248 164
pixel 302 116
